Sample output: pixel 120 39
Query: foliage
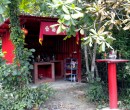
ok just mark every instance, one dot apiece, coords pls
pixel 25 98
pixel 12 77
pixel 98 94
pixel 101 35
pixel 15 77
pixel 3 9
pixel 15 93
pixel 77 14
pixel 21 64
pixel 122 46
pixel 124 99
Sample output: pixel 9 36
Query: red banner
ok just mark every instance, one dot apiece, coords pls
pixel 45 29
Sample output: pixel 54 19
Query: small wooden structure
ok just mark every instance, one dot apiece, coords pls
pixel 52 52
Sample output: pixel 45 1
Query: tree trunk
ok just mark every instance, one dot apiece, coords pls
pixel 96 70
pixel 93 60
pixel 86 59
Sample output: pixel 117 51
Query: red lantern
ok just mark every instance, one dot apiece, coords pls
pixel 25 31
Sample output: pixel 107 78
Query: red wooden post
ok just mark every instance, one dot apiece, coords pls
pixel 112 81
pixel 112 84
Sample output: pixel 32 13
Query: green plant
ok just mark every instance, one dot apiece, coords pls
pixel 41 94
pixel 124 99
pixel 98 93
pixel 25 99
pixel 14 77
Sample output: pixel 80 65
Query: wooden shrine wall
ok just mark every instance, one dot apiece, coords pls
pixel 8 46
pixel 54 45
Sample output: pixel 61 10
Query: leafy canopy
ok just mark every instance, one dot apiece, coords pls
pixel 94 19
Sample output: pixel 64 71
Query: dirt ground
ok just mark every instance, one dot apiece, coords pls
pixel 68 96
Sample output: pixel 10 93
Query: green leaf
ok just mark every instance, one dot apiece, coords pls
pixel 103 46
pixel 43 7
pixel 67 17
pixel 54 25
pixel 32 50
pixel 31 67
pixel 65 9
pixel 14 73
pixel 6 2
pixel 82 31
pixel 63 27
pixel 109 40
pixel 93 31
pixel 73 6
pixel 77 15
pixel 86 42
pixel 108 45
pixel 90 44
pixel 127 27
pixel 74 16
pixel 1 9
pixel 59 30
pixel 69 1
pixel 101 30
pixel 66 37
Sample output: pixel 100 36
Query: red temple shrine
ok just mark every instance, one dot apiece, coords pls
pixel 55 58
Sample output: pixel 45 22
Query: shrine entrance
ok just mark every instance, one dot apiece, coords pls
pixel 51 49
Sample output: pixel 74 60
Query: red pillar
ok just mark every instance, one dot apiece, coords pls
pixel 112 84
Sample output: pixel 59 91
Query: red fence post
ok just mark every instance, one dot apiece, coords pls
pixel 112 84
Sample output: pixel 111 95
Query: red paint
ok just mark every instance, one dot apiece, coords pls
pixel 45 29
pixel 8 46
pixel 112 80
pixel 44 71
pixel 112 60
pixel 78 49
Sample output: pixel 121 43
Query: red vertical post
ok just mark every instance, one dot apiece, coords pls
pixel 112 84
pixel 78 49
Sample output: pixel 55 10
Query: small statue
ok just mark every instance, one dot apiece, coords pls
pixel 53 57
pixel 113 54
pixel 38 58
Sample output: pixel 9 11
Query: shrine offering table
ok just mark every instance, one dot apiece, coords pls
pixel 48 71
pixel 58 68
pixel 112 81
pixel 44 72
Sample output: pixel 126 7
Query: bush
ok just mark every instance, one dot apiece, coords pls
pixel 25 98
pixel 97 93
pixel 124 99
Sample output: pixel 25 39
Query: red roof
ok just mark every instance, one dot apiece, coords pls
pixel 25 19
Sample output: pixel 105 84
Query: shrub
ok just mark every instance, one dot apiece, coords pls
pixel 25 98
pixel 97 92
pixel 124 99
pixel 15 92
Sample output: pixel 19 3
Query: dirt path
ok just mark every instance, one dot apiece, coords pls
pixel 68 96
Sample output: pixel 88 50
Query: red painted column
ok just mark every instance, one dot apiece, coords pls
pixel 112 84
